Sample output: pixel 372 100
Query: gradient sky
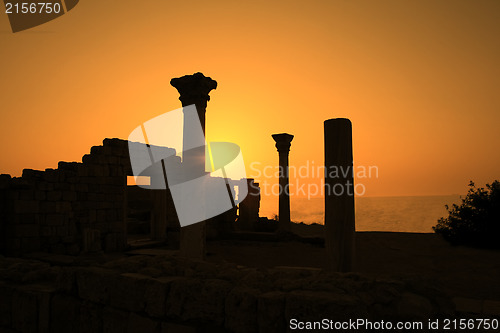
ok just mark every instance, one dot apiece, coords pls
pixel 420 81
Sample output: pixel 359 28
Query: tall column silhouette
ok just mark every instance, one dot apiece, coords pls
pixel 194 89
pixel 339 195
pixel 283 143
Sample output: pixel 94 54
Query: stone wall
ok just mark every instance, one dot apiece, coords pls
pixel 82 206
pixel 75 208
pixel 171 294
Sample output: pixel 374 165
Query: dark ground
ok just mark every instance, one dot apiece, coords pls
pixel 461 271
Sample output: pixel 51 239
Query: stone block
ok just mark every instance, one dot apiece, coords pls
pixel 177 328
pixel 28 218
pixel 46 231
pixel 62 231
pixel 31 244
pixel 13 244
pixel 72 249
pixel 112 160
pixel 91 239
pixel 54 195
pixel 110 242
pixel 491 307
pixel 62 185
pixel 97 150
pixel 311 305
pixel 94 284
pixel 44 186
pixel 69 195
pixel 128 291
pixel 117 226
pixel 70 166
pixel 111 215
pixel 115 143
pixel 40 195
pixel 5 181
pixel 92 215
pixel 194 300
pixel 48 207
pixel 114 185
pixel 30 173
pixel 138 323
pixel 66 280
pixel 241 310
pixel 98 170
pixel 413 306
pixel 30 309
pixel 65 314
pixel 27 230
pixel 82 171
pixel 27 194
pixel 58 247
pixel 12 195
pixel 90 318
pixel 6 305
pixel 73 180
pixel 63 207
pixel 101 180
pixel 105 205
pixel 116 170
pixel 51 175
pixel 26 206
pixel 271 312
pixel 88 160
pixel 54 219
pixel 81 187
pixel 114 321
pixel 101 215
pixel 21 184
pixel 156 295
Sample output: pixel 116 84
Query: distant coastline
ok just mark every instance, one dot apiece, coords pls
pixel 377 213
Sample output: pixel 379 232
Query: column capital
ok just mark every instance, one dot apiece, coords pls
pixel 283 142
pixel 194 89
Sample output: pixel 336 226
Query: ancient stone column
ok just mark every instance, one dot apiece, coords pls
pixel 194 89
pixel 339 195
pixel 283 142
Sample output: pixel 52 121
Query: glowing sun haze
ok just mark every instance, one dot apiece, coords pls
pixel 419 80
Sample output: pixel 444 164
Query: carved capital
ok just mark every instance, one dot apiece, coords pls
pixel 283 142
pixel 194 89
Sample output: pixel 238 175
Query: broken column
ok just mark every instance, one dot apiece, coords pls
pixel 194 89
pixel 249 208
pixel 339 195
pixel 283 143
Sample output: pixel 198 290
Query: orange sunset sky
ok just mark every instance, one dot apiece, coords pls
pixel 420 81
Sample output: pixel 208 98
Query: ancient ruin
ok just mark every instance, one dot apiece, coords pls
pixel 87 206
pixel 75 250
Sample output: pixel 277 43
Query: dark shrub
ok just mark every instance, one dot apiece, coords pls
pixel 476 222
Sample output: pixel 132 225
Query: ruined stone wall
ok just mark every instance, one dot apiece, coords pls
pixel 170 294
pixel 75 208
pixel 82 206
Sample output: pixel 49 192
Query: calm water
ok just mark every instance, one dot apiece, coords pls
pixel 404 214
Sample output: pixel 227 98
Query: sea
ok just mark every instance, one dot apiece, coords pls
pixel 397 214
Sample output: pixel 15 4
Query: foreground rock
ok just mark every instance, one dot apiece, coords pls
pixel 171 294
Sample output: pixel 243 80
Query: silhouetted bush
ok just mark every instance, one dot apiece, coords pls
pixel 476 222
